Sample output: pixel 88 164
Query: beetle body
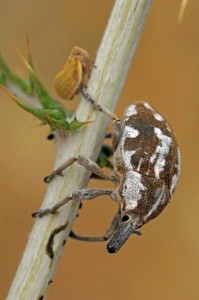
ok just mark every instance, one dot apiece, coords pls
pixel 146 162
pixel 146 168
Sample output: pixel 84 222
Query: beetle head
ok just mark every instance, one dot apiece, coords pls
pixel 125 229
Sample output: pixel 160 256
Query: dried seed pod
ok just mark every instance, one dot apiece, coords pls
pixel 73 74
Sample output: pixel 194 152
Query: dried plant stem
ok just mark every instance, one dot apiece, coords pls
pixel 37 269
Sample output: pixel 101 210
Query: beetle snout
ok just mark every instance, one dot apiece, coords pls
pixel 120 237
pixel 123 232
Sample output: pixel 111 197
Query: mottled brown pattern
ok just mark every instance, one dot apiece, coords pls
pixel 146 143
pixel 156 193
pixel 156 190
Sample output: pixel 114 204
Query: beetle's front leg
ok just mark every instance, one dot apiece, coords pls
pixel 84 194
pixel 108 234
pixel 117 233
pixel 84 161
pixel 97 106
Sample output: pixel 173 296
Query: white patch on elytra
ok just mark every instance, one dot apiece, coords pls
pixel 174 183
pixel 160 198
pixel 168 128
pixel 131 110
pixel 176 176
pixel 127 158
pixel 132 133
pixel 158 117
pixel 139 165
pixel 161 152
pixel 147 105
pixel 132 188
pixel 152 158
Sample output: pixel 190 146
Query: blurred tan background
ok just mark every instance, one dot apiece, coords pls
pixel 164 262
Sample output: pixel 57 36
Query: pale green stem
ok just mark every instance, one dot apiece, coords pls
pixel 114 56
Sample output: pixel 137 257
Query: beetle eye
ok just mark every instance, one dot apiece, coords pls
pixel 125 218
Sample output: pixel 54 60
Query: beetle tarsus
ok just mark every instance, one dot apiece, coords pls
pixel 43 212
pixel 49 178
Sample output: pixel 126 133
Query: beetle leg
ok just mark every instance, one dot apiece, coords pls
pixel 59 170
pixel 117 234
pixel 97 106
pixel 78 237
pixel 84 161
pixel 91 166
pixel 111 230
pixel 83 194
pixel 108 135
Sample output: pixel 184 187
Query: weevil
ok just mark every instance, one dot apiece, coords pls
pixel 146 169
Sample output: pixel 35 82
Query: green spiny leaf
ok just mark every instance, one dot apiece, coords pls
pixel 75 124
pixel 52 112
pixel 8 75
pixel 103 158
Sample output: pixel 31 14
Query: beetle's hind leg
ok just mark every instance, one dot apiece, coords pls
pixel 84 194
pixel 117 234
pixel 78 237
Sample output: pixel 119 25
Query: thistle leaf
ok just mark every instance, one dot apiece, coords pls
pixel 75 124
pixel 52 112
pixel 7 75
pixel 103 158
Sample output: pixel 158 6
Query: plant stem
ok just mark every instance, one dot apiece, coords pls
pixel 37 269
